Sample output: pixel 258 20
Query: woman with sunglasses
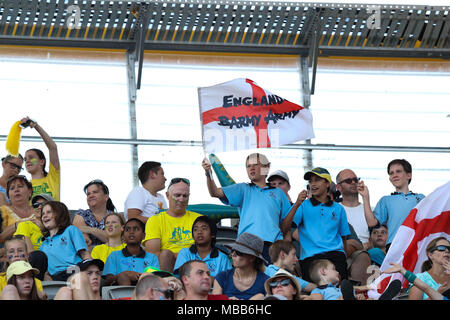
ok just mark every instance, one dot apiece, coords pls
pixel 435 270
pixel 19 191
pixel 35 162
pixel 92 221
pixel 11 167
pixel 283 284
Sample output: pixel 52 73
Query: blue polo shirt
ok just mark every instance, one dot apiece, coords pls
pixel 122 260
pixel 261 210
pixel 321 227
pixel 272 269
pixel 216 260
pixel 62 249
pixel 392 210
pixel 329 292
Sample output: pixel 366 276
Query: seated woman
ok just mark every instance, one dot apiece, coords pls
pixel 21 283
pixel 92 221
pixel 283 284
pixel 245 281
pixel 11 167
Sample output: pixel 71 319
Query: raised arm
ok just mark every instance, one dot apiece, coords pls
pixel 287 222
pixel 368 213
pixel 214 191
pixel 51 145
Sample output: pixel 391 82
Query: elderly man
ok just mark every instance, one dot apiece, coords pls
pixel 168 232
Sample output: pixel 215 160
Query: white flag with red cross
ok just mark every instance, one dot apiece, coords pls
pixel 429 220
pixel 239 114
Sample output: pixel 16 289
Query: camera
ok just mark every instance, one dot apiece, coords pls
pixel 26 124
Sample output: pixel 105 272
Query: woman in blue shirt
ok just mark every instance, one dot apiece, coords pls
pixel 246 280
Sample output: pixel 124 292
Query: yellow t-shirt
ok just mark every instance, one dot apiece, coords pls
pixel 102 251
pixel 32 231
pixel 9 217
pixel 3 282
pixel 175 233
pixel 50 184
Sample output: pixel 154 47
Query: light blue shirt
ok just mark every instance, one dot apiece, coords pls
pixel 261 211
pixel 272 269
pixel 216 261
pixel 321 227
pixel 3 190
pixel 62 249
pixel 329 292
pixel 392 210
pixel 122 260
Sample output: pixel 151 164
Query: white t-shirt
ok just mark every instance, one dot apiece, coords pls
pixel 140 198
pixel 355 217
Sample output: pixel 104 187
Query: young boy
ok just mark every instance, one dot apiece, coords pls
pixel 392 210
pixel 261 207
pixel 125 266
pixel 322 224
pixel 283 255
pixel 204 232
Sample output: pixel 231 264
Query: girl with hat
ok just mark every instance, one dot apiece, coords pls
pixel 245 281
pixel 21 285
pixel 283 284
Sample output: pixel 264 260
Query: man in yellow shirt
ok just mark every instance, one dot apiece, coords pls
pixel 168 232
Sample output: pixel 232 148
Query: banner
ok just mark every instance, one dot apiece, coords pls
pixel 429 220
pixel 239 115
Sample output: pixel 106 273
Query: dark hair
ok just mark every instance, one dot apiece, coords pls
pixel 405 164
pixel 139 222
pixel 109 204
pixel 10 156
pixel 145 168
pixel 33 294
pixel 377 226
pixel 278 246
pixel 185 269
pixel 61 214
pixel 212 227
pixel 428 264
pixel 18 177
pixel 41 156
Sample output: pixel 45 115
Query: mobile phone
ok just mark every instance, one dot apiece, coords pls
pixel 26 124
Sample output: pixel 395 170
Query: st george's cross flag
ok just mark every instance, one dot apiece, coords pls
pixel 239 115
pixel 429 220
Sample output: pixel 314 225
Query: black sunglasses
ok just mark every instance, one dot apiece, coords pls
pixel 350 180
pixel 177 180
pixel 441 248
pixel 168 294
pixel 14 166
pixel 283 283
pixel 38 204
pixel 238 253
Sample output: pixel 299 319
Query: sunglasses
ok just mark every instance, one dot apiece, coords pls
pixel 38 204
pixel 99 182
pixel 441 248
pixel 168 294
pixel 239 254
pixel 350 180
pixel 283 283
pixel 14 166
pixel 177 180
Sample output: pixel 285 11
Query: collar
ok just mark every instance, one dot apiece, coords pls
pixel 213 254
pixel 251 184
pixel 127 254
pixel 329 285
pixel 406 194
pixel 316 202
pixel 60 231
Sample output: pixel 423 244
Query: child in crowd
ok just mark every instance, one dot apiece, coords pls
pixel 124 267
pixel 21 282
pixel 114 226
pixel 63 243
pixel 16 250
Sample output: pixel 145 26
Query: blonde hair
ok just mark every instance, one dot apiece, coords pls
pixel 314 269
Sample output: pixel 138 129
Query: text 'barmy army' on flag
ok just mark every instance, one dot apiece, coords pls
pixel 239 114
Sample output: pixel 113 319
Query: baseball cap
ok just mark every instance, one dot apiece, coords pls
pixel 18 268
pixel 158 272
pixel 321 172
pixel 83 265
pixel 44 196
pixel 278 173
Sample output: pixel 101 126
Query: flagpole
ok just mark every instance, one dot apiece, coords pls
pixel 201 126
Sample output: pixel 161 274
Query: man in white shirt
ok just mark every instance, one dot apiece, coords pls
pixel 346 184
pixel 144 202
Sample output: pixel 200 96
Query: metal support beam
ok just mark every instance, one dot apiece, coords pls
pixel 306 102
pixel 132 113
